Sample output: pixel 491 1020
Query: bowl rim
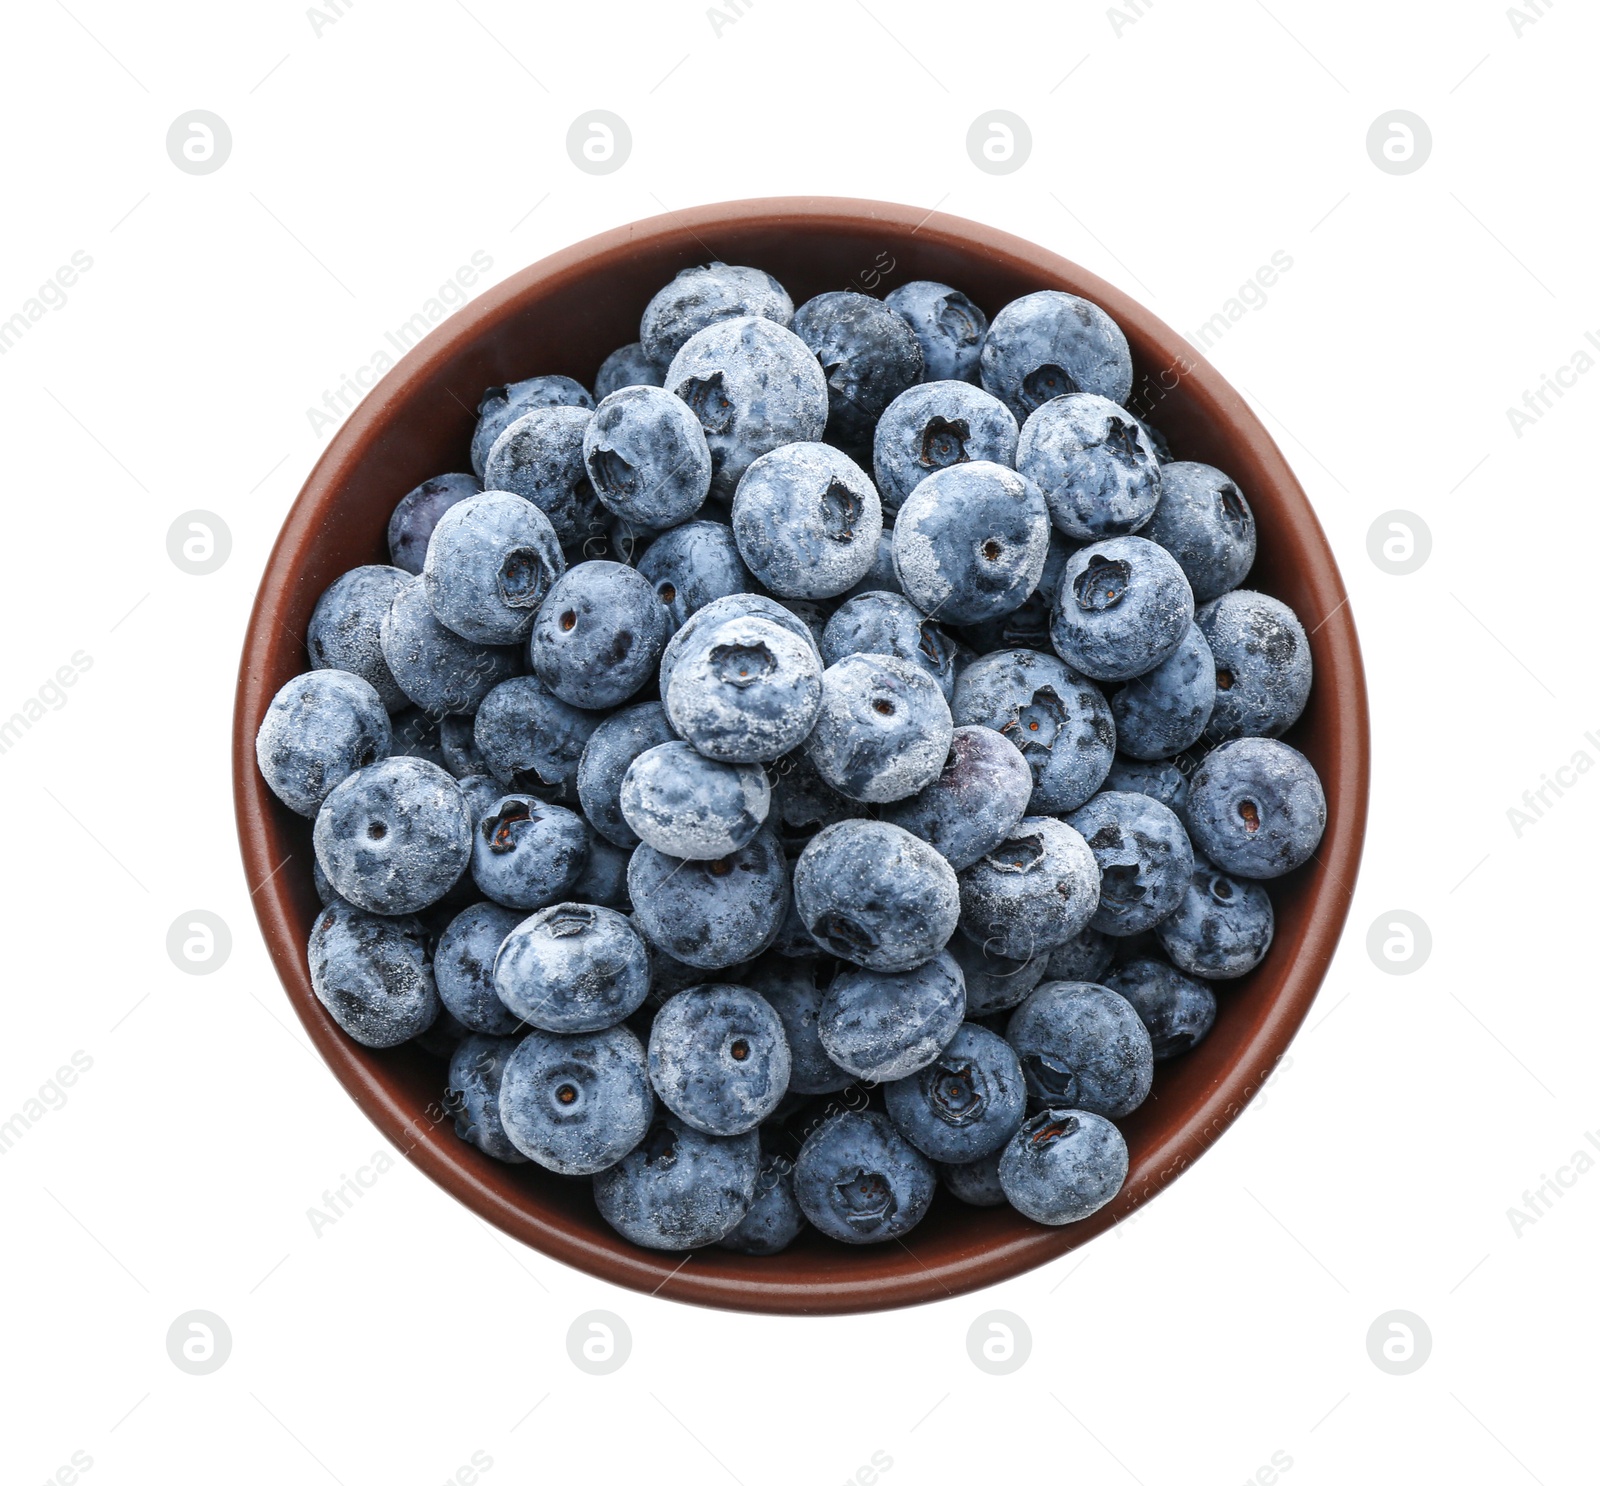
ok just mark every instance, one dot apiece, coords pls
pixel 425 1138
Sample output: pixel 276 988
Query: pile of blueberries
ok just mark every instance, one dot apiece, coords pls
pixel 766 841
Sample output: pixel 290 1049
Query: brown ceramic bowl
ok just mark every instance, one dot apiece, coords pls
pixel 565 315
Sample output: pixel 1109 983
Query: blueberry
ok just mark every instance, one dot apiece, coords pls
pixel 807 521
pixel 883 731
pixel 1098 471
pixel 743 690
pixel 976 1183
pixel 573 967
pixel 395 836
pixel 933 426
pixel 531 740
pixel 994 981
pixel 803 803
pixel 1176 1011
pixel 604 879
pixel 477 1067
pixel 1158 441
pixel 318 730
pixel 540 458
pixel 458 746
pixel 970 542
pixel 526 853
pixel 1051 344
pixel 1082 1047
pixel 416 735
pixel 774 1220
pixel 754 386
pixel 1221 929
pixel 707 295
pixel 1032 892
pixel 1166 710
pixel 463 966
pixel 599 635
pixel 345 633
pixel 679 1188
pixel 690 566
pixel 869 355
pixel 576 1104
pixel 875 895
pixel 795 989
pixel 500 407
pixel 1204 521
pixel 439 670
pixel 1144 855
pixel 418 514
pixel 734 606
pixel 647 457
pixel 492 560
pixel 885 1025
pixel 1063 1165
pixel 1124 606
pixel 860 1181
pixel 980 794
pixel 373 975
pixel 948 326
pixel 611 748
pixel 1256 808
pixel 1263 665
pixel 687 805
pixel 627 366
pixel 881 576
pixel 1086 956
pixel 964 1104
pixel 711 914
pixel 1161 779
pixel 890 624
pixel 1059 721
pixel 719 1059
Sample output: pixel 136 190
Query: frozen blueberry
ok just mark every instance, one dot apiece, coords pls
pixel 647 457
pixel 500 407
pixel 463 966
pixel 869 355
pixel 1082 1047
pixel 540 458
pixel 492 560
pixel 687 805
pixel 418 513
pixel 964 1104
pixel 719 1059
pixel 1032 892
pixel 576 1104
pixel 599 635
pixel 690 566
pixel 1098 472
pixel 774 1220
pixel 372 974
pixel 976 1183
pixel 611 748
pixel 1204 521
pixel 477 1067
pixel 627 366
pixel 1058 720
pixel 573 967
pixel 345 633
pixel 1161 779
pixel 416 735
pixel 1166 710
pixel 1063 1165
pixel 527 853
pixel 1086 956
pixel 970 542
pixel 890 624
pixel 733 606
pixel 795 988
pixel 531 740
pixel 1124 606
pixel 883 731
pixel 395 836
pixel 860 1181
pixel 679 1188
pixel 980 794
pixel 807 521
pixel 711 914
pixel 1221 929
pixel 745 689
pixel 439 670
pixel 1144 855
pixel 933 426
pixel 885 1025
pixel 1256 808
pixel 318 730
pixel 948 326
pixel 1051 344
pixel 1158 440
pixel 604 879
pixel 1176 1011
pixel 754 386
pixel 706 295
pixel 994 981
pixel 1263 664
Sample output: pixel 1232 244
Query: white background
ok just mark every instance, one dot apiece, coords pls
pixel 1190 142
